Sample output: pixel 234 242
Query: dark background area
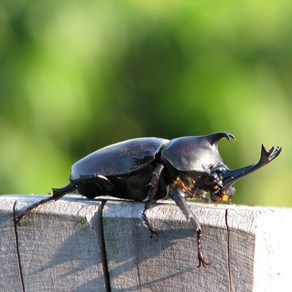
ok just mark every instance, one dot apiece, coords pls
pixel 78 75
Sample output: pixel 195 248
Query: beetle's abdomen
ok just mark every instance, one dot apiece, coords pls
pixel 134 187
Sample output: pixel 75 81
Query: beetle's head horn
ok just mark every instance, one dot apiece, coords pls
pixel 226 190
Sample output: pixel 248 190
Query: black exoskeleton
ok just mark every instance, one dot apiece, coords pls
pixel 149 169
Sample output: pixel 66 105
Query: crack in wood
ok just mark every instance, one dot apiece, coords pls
pixel 100 231
pixel 17 247
pixel 228 253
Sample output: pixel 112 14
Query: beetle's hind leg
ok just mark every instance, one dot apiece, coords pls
pixel 18 218
pixel 153 186
pixel 56 194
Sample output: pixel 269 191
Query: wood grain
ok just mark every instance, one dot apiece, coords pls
pixel 58 247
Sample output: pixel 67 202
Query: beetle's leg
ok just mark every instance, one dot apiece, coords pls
pixel 57 194
pixel 102 183
pixel 177 195
pixel 153 185
pixel 18 218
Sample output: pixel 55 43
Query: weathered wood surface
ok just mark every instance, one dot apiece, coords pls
pixel 60 247
pixel 55 249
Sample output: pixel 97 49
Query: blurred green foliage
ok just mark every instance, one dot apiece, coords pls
pixel 79 75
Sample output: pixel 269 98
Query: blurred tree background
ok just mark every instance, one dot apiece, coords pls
pixel 79 75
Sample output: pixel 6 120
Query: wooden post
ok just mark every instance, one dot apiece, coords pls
pixel 79 245
pixel 55 248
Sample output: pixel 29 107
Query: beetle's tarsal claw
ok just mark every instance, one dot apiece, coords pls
pixel 203 263
pixel 201 259
pixel 147 224
pixel 154 232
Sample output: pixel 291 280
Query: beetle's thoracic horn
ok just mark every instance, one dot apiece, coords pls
pixel 231 176
pixel 215 137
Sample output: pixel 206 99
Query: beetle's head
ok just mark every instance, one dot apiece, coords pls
pixel 221 178
pixel 214 184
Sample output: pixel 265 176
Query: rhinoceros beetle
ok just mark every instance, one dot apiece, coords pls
pixel 149 169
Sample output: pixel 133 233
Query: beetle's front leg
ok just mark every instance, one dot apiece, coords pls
pixel 177 195
pixel 153 185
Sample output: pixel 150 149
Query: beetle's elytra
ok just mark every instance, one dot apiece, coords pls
pixel 149 169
